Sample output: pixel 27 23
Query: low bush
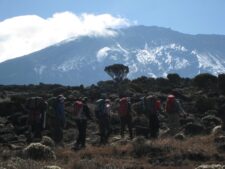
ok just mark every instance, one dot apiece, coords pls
pixel 38 151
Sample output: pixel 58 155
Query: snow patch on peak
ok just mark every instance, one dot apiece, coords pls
pixel 211 62
pixel 150 55
pixel 122 49
pixel 73 63
pixel 177 47
pixel 102 53
pixel 181 63
pixel 145 57
pixel 39 69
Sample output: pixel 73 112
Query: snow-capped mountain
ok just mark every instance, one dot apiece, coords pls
pixel 148 51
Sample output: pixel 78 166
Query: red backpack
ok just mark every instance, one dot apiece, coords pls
pixel 124 107
pixel 170 103
pixel 36 106
pixel 78 108
pixel 158 105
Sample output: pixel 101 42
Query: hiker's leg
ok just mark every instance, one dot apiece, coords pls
pixel 83 133
pixel 129 125
pixel 173 123
pixel 102 131
pixel 78 141
pixel 122 128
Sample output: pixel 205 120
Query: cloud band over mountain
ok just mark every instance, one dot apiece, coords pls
pixel 22 35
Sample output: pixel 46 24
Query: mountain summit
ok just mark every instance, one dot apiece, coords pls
pixel 148 51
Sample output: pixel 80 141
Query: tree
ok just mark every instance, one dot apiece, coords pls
pixel 173 77
pixel 205 80
pixel 117 71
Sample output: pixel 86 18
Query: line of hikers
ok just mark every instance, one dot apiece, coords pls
pixel 150 106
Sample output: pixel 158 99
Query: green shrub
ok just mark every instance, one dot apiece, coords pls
pixel 174 78
pixel 47 141
pixel 205 80
pixel 204 104
pixel 38 151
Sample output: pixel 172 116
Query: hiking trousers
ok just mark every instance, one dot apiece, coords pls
pixel 35 132
pixel 104 127
pixel 173 123
pixel 154 126
pixel 58 130
pixel 126 121
pixel 81 126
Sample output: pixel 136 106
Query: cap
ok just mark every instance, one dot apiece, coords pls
pixel 171 96
pixel 84 99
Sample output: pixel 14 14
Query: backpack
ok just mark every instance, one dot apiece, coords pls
pixel 150 105
pixel 158 105
pixel 124 107
pixel 52 102
pixel 30 103
pixel 171 104
pixel 100 110
pixel 78 108
pixel 36 106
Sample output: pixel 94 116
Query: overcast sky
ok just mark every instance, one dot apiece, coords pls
pixel 30 25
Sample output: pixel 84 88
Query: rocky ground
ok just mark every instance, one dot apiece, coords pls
pixel 200 142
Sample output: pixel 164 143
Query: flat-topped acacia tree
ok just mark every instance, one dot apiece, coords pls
pixel 117 71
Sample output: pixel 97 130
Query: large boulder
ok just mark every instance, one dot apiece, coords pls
pixel 218 131
pixel 189 119
pixel 193 129
pixel 211 121
pixel 9 107
pixel 204 103
pixel 180 136
pixel 220 143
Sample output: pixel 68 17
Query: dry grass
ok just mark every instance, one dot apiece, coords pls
pixel 174 154
pixel 194 144
pixel 166 153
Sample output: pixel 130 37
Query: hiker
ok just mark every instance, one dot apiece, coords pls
pixel 36 107
pixel 125 116
pixel 108 107
pixel 173 110
pixel 58 119
pixel 82 114
pixel 221 114
pixel 151 107
pixel 103 117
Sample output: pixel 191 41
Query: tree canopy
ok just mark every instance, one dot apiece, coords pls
pixel 117 71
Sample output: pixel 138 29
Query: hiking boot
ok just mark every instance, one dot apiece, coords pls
pixel 76 147
pixel 82 147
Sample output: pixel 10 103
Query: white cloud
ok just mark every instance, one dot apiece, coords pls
pixel 102 53
pixel 22 35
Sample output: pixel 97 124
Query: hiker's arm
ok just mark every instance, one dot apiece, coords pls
pixel 181 110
